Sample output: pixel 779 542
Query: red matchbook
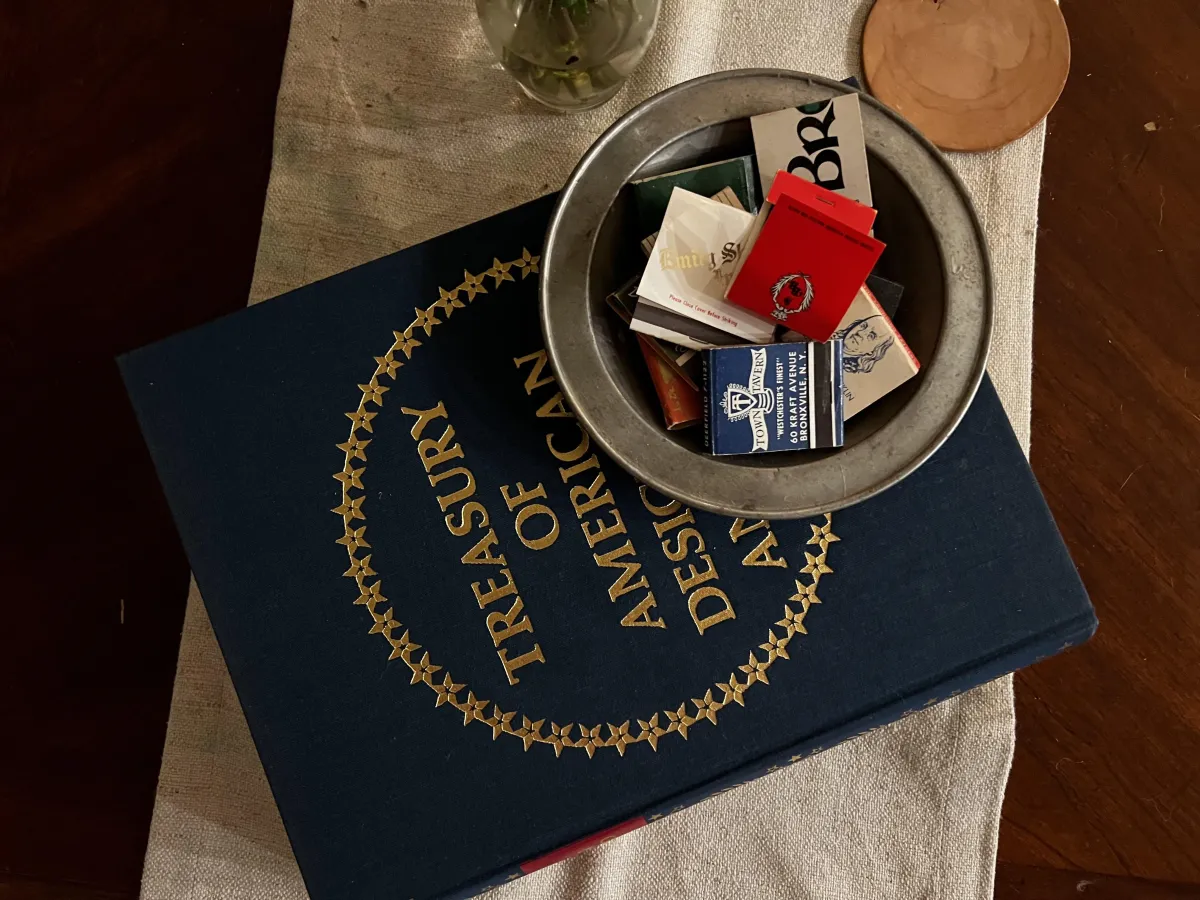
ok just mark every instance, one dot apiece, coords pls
pixel 809 259
pixel 681 403
pixel 849 212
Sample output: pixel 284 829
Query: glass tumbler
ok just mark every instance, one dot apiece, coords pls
pixel 569 54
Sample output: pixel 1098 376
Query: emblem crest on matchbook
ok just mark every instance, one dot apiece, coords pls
pixel 777 397
pixel 806 255
pixel 792 294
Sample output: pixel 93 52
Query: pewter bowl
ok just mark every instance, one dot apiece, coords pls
pixel 935 248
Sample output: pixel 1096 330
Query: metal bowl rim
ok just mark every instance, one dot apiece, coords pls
pixel 690 497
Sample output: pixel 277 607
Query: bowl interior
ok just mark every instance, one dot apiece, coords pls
pixel 912 259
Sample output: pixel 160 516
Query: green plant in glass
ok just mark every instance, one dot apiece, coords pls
pixel 569 54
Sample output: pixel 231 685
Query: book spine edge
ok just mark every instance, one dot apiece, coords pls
pixel 1071 633
pixel 1074 631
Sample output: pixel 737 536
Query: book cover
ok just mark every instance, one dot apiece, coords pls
pixel 694 256
pixel 466 642
pixel 652 195
pixel 821 142
pixel 804 268
pixel 775 397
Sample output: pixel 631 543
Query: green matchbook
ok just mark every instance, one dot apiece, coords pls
pixel 653 194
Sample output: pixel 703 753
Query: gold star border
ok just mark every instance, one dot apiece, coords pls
pixel 448 692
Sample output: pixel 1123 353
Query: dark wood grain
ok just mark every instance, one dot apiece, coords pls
pixel 135 144
pixel 17 888
pixel 1015 882
pixel 1107 771
pixel 134 150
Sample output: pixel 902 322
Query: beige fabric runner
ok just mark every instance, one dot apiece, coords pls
pixel 394 125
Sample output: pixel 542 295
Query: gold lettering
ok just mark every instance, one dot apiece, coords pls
pixel 511 665
pixel 726 612
pixel 534 509
pixel 505 620
pixel 585 500
pixel 593 501
pixel 685 517
pixel 555 408
pixel 439 452
pixel 538 493
pixel 571 455
pixel 534 379
pixel 695 577
pixel 668 510
pixel 639 616
pixel 568 473
pixel 433 453
pixel 605 531
pixel 537 509
pixel 739 527
pixel 424 417
pixel 683 261
pixel 481 553
pixel 494 592
pixel 664 259
pixel 761 555
pixel 463 526
pixel 613 559
pixel 467 490
pixel 681 544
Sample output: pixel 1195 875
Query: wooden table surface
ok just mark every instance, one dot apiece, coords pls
pixel 135 145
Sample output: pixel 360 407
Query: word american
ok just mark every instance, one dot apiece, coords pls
pixel 604 530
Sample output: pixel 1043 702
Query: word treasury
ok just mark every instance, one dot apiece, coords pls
pixel 465 516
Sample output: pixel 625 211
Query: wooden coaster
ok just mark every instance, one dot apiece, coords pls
pixel 970 74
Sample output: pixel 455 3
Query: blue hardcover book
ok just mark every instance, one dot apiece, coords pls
pixel 467 643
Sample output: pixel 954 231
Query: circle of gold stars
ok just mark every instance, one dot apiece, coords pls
pixel 448 692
